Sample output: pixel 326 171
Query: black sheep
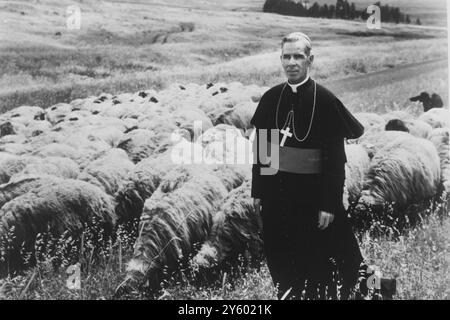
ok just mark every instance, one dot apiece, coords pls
pixel 428 102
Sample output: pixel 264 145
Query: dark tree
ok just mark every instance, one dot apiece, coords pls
pixel 342 10
pixel 331 12
pixel 353 14
pixel 314 11
pixel 408 19
pixel 324 11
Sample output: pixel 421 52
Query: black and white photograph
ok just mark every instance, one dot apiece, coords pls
pixel 251 151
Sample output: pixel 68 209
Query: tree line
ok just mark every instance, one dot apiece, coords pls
pixel 342 10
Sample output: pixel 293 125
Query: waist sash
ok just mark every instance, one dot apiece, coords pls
pixel 297 160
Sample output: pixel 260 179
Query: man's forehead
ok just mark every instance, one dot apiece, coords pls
pixel 294 47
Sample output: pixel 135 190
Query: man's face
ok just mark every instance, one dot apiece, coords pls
pixel 294 60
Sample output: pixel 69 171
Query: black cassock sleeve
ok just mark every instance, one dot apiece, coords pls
pixel 332 177
pixel 338 124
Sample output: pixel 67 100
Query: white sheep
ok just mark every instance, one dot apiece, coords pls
pixel 109 171
pixel 440 138
pixel 437 117
pixel 176 217
pixel 405 171
pixel 356 168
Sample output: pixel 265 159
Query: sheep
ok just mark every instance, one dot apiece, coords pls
pixel 11 165
pixel 372 123
pixel 437 118
pixel 440 139
pixel 54 166
pixel 356 168
pixel 428 102
pixel 186 118
pixel 232 176
pixel 55 208
pixel 6 156
pixel 22 185
pixel 111 136
pixel 255 93
pixel 403 172
pixel 418 128
pixel 238 116
pixel 396 125
pixel 233 149
pixel 25 114
pixel 373 141
pixel 6 129
pixel 14 139
pixel 218 133
pixel 139 144
pixel 176 217
pixel 415 127
pixel 108 172
pixel 369 119
pixel 57 112
pixel 145 178
pixel 140 184
pixel 15 148
pixel 36 128
pixel 75 147
pixel 125 110
pixel 58 150
pixel 397 114
pixel 235 232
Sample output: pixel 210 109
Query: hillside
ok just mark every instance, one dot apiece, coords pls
pixel 135 45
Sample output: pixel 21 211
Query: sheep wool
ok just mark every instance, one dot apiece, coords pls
pixel 64 205
pixel 108 172
pixel 405 171
pixel 436 117
pixel 140 184
pixel 176 217
pixel 54 166
pixel 356 168
pixel 373 141
pixel 21 185
pixel 440 139
pixel 235 232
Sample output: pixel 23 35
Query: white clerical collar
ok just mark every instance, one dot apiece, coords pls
pixel 295 86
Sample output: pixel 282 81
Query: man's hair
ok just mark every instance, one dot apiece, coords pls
pixel 298 36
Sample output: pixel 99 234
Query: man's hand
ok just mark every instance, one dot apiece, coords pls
pixel 325 219
pixel 257 204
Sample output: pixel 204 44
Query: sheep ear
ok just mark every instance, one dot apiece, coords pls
pixel 416 98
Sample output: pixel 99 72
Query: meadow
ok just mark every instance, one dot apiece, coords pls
pixel 123 47
pixel 127 47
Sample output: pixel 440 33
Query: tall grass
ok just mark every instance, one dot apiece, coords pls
pixel 416 257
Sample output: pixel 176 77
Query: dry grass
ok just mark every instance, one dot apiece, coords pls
pixel 120 49
pixel 395 96
pixel 418 259
pixel 124 47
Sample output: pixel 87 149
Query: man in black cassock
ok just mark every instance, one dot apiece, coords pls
pixel 308 240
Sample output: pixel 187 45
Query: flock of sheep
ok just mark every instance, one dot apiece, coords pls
pixel 111 158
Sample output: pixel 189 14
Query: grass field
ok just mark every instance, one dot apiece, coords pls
pixel 418 259
pixel 129 46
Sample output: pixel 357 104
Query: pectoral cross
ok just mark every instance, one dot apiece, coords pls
pixel 286 134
